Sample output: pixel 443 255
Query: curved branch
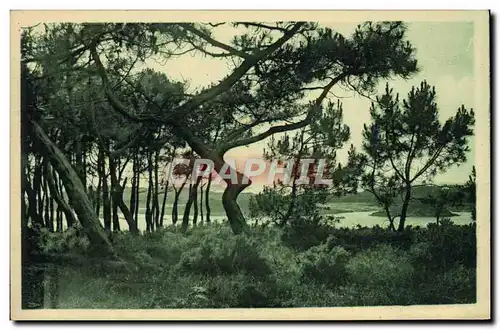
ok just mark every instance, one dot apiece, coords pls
pixel 313 110
pixel 213 42
pixel 113 100
pixel 261 25
pixel 241 70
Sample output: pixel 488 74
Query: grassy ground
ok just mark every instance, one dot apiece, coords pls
pixel 209 267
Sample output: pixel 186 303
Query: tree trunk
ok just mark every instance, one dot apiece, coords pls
pixel 61 203
pixel 115 223
pixel 164 202
pixel 36 218
pixel 37 181
pixel 293 197
pixel 201 204
pixel 187 209
pixel 115 192
pixel 79 163
pixel 133 187
pixel 132 224
pixel 51 212
pixel 71 220
pixel 59 220
pixel 48 221
pixel 137 197
pixel 98 195
pixel 229 199
pixel 156 202
pixel 192 201
pixel 78 199
pixel 149 215
pixel 207 198
pixel 233 211
pixel 31 277
pixel 117 196
pixel 404 208
pixel 106 203
pixel 175 204
pixel 195 202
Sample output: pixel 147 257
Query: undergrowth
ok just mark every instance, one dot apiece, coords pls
pixel 209 267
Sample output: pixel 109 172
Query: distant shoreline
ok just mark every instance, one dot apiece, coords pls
pixel 382 214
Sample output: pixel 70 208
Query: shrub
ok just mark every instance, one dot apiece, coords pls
pixel 209 267
pixel 352 239
pixel 381 266
pixel 385 275
pixel 456 286
pixel 71 240
pixel 445 245
pixel 241 291
pixel 151 250
pixel 312 294
pixel 303 237
pixel 224 253
pixel 325 263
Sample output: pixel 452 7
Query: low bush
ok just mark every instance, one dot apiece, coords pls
pixel 224 253
pixel 69 241
pixel 384 272
pixel 325 263
pixel 352 239
pixel 455 286
pixel 209 267
pixel 447 244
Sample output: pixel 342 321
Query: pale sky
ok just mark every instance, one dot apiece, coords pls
pixel 445 54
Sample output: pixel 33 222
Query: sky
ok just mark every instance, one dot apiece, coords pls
pixel 445 55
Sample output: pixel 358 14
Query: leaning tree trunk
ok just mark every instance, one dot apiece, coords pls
pixel 233 211
pixel 229 200
pixel 75 190
pixel 229 197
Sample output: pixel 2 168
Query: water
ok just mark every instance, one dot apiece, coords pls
pixel 350 220
pixel 364 219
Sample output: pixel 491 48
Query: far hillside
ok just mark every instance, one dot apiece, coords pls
pixel 216 207
pixel 360 202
